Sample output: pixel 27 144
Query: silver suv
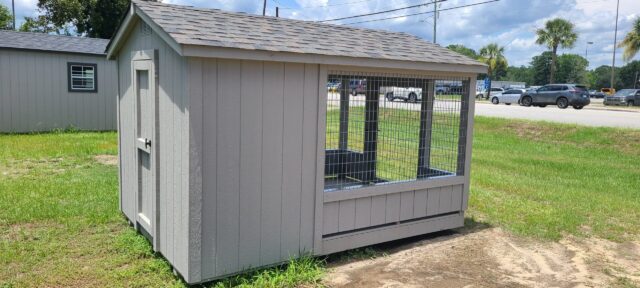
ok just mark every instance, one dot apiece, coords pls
pixel 563 95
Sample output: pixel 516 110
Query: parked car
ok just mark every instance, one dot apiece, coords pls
pixel 508 97
pixel 562 95
pixel 494 91
pixel 358 86
pixel 628 97
pixel 596 94
pixel 411 95
pixel 334 86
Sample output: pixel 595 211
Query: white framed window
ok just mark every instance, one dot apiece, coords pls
pixel 83 77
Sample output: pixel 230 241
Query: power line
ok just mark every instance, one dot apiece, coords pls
pixel 422 13
pixel 328 5
pixel 385 11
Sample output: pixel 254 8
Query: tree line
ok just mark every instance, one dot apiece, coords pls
pixel 100 19
pixel 549 67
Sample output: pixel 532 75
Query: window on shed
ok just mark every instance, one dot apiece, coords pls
pixel 82 77
pixel 391 129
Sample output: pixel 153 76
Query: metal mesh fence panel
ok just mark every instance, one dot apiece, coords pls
pixel 383 129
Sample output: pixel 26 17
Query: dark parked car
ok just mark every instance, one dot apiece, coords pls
pixel 358 86
pixel 628 97
pixel 563 95
pixel 596 94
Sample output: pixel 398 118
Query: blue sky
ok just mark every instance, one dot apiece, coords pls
pixel 511 23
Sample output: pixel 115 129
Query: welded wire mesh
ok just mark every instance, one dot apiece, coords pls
pixel 384 129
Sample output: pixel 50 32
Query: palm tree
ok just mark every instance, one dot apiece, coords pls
pixel 631 42
pixel 493 56
pixel 556 33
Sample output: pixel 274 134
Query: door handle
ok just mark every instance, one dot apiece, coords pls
pixel 147 143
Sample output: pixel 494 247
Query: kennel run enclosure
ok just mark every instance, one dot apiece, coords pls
pixel 246 140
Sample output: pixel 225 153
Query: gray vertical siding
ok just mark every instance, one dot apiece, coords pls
pixel 173 145
pixel 258 163
pixel 34 93
pixel 347 215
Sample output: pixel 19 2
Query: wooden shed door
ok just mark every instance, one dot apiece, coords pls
pixel 146 148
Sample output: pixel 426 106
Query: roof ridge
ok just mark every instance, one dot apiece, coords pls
pixel 189 25
pixel 271 18
pixel 51 35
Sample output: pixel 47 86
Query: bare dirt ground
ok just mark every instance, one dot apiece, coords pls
pixel 107 159
pixel 490 257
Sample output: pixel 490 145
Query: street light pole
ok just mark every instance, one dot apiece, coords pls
pixel 615 39
pixel 586 51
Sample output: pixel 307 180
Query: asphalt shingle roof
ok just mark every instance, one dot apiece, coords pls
pixel 212 27
pixel 46 42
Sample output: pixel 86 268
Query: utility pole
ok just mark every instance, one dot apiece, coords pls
pixel 435 20
pixel 635 83
pixel 615 40
pixel 13 13
pixel 264 8
pixel 277 11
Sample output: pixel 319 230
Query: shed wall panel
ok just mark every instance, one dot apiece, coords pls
pixel 250 162
pixel 228 151
pixel 209 169
pixel 34 93
pixel 292 159
pixel 259 169
pixel 172 144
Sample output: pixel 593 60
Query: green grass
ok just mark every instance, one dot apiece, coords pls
pixel 60 224
pixel 398 140
pixel 547 180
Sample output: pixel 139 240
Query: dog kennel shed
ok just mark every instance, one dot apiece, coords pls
pixel 247 140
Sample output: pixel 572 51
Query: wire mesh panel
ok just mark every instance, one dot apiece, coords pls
pixel 385 129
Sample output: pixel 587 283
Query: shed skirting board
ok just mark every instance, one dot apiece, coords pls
pixel 391 188
pixel 389 233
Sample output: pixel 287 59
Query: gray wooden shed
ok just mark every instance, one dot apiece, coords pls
pixel 55 82
pixel 248 140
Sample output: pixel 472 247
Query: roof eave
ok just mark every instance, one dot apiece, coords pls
pixel 53 51
pixel 263 55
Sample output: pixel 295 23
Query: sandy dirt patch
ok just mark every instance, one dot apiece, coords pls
pixel 107 159
pixel 492 258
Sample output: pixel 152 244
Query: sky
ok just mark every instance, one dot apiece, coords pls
pixel 510 23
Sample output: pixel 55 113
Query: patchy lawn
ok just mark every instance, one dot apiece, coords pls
pixel 549 180
pixel 60 224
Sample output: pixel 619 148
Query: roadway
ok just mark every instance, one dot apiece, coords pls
pixel 593 115
pixel 589 116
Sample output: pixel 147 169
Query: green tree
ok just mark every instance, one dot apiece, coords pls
pixel 572 68
pixel 541 67
pixel 520 74
pixel 493 56
pixel 628 73
pixel 459 48
pixel 601 78
pixel 631 43
pixel 6 20
pixel 39 24
pixel 93 18
pixel 556 33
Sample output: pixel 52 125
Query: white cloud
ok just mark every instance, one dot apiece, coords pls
pixel 511 23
